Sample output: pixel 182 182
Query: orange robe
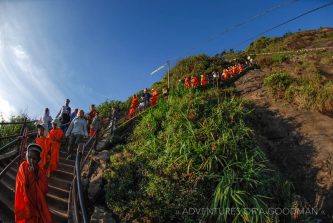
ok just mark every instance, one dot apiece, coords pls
pixel 225 74
pixel 195 81
pixel 45 156
pixel 30 204
pixel 135 102
pixel 187 82
pixel 131 112
pixel 55 147
pixel 204 80
pixel 154 97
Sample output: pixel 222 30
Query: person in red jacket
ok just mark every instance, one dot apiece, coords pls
pixel 55 136
pixel 204 80
pixel 30 190
pixel 195 81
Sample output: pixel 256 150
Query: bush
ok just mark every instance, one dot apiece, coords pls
pixel 277 83
pixel 279 58
pixel 311 92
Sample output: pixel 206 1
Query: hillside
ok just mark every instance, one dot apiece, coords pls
pixel 263 141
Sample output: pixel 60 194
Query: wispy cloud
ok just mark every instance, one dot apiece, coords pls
pixel 26 80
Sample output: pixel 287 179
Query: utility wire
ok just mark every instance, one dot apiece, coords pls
pixel 245 21
pixel 288 21
pixel 267 11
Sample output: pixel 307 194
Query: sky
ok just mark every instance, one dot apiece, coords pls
pixel 94 50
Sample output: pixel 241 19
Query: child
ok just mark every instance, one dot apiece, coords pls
pixel 31 188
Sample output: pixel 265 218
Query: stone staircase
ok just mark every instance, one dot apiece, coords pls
pixel 58 194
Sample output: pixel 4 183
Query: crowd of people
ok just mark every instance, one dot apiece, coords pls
pixel 42 158
pixel 204 80
pixel 146 99
pixel 150 99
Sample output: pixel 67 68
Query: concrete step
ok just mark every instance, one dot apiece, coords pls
pixel 59 216
pixel 57 203
pixel 59 192
pixel 62 174
pixel 59 183
pixel 66 161
pixel 7 205
pixel 66 167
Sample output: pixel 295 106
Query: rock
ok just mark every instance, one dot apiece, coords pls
pixel 102 215
pixel 103 155
pixel 95 189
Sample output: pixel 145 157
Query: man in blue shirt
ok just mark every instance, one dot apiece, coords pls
pixel 74 114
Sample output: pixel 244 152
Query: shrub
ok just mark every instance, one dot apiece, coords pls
pixel 277 83
pixel 279 58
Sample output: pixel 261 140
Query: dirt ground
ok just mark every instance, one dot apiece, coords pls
pixel 298 142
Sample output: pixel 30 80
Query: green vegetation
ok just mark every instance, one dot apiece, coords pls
pixel 308 92
pixel 8 130
pixel 193 150
pixel 196 150
pixel 105 108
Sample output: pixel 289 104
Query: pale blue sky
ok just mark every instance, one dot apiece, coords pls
pixel 90 51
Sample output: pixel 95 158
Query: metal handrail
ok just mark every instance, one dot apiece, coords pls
pixel 9 144
pixel 17 123
pixel 19 137
pixel 22 139
pixel 3 172
pixel 76 189
pixel 10 136
pixel 78 183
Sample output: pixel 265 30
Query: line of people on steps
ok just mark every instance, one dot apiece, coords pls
pixel 204 80
pixel 145 101
pixel 42 158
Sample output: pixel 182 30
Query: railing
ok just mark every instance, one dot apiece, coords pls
pixel 20 140
pixel 77 200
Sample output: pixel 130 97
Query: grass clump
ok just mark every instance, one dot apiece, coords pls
pixel 312 92
pixel 194 152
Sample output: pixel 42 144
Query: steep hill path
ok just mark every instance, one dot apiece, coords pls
pixel 298 142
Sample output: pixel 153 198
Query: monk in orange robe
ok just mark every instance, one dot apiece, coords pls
pixel 204 80
pixel 55 137
pixel 46 152
pixel 135 101
pixel 187 82
pixel 195 81
pixel 30 191
pixel 154 97
pixel 134 104
pixel 225 74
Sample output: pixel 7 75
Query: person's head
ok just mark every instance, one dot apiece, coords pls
pixel 145 90
pixel 92 107
pixel 33 154
pixel 81 113
pixel 40 130
pixel 47 111
pixel 76 110
pixel 67 101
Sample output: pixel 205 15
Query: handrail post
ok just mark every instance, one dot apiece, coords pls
pixel 78 181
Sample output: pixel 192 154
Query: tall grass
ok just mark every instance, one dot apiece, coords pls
pixel 192 152
pixel 311 92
